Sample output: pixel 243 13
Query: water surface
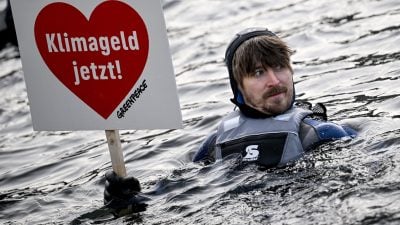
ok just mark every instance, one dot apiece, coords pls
pixel 346 55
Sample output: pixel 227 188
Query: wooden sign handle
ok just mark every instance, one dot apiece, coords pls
pixel 117 158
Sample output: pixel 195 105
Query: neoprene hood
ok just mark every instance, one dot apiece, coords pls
pixel 238 99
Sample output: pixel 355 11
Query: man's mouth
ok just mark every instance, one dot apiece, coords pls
pixel 274 91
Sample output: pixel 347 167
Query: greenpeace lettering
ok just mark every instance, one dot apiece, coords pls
pixel 60 43
pixel 131 100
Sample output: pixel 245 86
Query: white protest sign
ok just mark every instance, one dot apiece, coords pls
pixel 97 65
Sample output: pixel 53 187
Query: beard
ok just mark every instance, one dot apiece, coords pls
pixel 274 106
pixel 274 91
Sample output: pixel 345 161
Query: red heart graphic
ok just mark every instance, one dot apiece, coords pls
pixel 99 59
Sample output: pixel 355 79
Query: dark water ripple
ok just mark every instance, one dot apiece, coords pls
pixel 346 56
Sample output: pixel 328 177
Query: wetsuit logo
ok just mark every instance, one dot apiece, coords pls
pixel 251 153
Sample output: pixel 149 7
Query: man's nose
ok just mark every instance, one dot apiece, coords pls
pixel 272 79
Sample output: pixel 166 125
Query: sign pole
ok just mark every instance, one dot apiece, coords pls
pixel 117 158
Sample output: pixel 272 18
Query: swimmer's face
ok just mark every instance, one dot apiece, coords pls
pixel 268 89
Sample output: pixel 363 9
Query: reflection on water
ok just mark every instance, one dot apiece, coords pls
pixel 346 55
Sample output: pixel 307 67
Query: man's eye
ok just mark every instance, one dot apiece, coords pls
pixel 258 72
pixel 278 68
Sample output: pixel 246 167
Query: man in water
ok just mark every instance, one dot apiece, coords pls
pixel 269 129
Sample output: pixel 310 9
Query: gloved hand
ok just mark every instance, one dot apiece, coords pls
pixel 122 193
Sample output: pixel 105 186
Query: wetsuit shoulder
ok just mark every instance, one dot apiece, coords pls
pixel 327 130
pixel 206 149
pixel 314 132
